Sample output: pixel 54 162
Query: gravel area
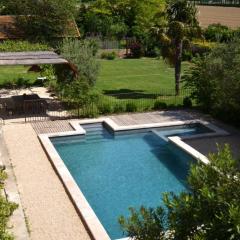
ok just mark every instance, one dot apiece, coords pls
pixel 49 211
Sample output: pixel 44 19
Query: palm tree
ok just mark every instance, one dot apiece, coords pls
pixel 182 25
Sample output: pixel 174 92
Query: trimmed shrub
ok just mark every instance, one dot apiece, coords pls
pixel 105 108
pixel 20 46
pixel 118 108
pixel 131 107
pixel 218 33
pixel 158 105
pixel 90 111
pixel 202 47
pixel 187 102
pixel 109 55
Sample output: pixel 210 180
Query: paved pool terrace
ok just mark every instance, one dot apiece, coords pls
pixel 49 212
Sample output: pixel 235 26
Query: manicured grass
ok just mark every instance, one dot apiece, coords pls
pixel 10 74
pixel 146 76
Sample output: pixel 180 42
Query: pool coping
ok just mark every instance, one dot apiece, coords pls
pixel 88 216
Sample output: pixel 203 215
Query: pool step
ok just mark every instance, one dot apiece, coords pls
pixel 96 132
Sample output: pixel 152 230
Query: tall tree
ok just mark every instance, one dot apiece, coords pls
pixel 182 25
pixel 119 17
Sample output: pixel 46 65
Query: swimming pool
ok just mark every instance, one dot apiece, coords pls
pixel 118 170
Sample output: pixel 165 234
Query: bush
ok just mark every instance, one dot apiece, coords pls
pixel 119 108
pixel 211 210
pixel 218 33
pixel 201 47
pixel 215 83
pixel 158 105
pixel 21 46
pixel 136 49
pixel 105 108
pixel 131 107
pixel 187 102
pixel 90 111
pixel 109 55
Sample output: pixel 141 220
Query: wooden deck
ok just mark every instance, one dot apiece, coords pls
pixel 121 120
pixel 51 126
pixel 157 117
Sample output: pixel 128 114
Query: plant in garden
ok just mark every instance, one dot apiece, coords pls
pixel 109 55
pixel 6 210
pixel 182 25
pixel 218 33
pixel 136 49
pixel 159 105
pixel 22 46
pixel 48 72
pixel 131 107
pixel 82 55
pixel 119 107
pixel 211 210
pixel 75 83
pixel 214 81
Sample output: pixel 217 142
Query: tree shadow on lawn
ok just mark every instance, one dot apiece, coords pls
pixel 135 94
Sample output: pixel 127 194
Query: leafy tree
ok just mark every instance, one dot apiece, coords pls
pixel 215 82
pixel 81 55
pixel 119 18
pixel 211 210
pixel 181 26
pixel 75 83
pixel 42 20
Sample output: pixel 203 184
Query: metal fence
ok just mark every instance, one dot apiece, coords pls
pixel 112 103
pixel 234 3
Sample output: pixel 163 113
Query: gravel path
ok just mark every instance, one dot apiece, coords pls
pixel 49 211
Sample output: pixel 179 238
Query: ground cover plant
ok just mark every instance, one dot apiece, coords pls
pixel 211 210
pixel 6 210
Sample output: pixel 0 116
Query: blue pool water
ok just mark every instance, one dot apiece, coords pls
pixel 130 169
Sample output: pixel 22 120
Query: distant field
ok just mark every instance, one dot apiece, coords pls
pixel 135 76
pixel 229 16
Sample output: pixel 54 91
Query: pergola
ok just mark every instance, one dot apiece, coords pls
pixel 34 58
pixel 31 58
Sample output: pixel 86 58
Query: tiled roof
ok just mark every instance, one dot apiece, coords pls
pixel 8 28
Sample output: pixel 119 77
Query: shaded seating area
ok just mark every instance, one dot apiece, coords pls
pixel 23 104
pixel 28 104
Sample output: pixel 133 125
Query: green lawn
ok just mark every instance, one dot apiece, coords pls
pixel 10 74
pixel 146 76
